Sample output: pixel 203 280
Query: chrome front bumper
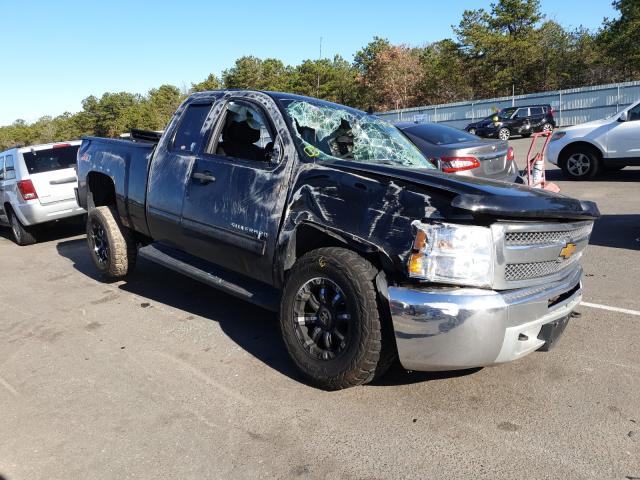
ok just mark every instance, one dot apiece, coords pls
pixel 457 328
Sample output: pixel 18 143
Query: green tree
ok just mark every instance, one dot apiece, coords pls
pixel 620 40
pixel 210 83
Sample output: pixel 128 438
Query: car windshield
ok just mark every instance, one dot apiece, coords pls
pixel 440 134
pixel 506 113
pixel 329 132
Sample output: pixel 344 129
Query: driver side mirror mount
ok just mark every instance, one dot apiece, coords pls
pixel 624 116
pixel 273 156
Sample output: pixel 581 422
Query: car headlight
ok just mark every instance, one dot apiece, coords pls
pixel 455 254
pixel 557 136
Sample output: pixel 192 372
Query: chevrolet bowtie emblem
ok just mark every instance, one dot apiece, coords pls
pixel 568 250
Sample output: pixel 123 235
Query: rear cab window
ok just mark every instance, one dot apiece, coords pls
pixel 188 137
pixel 50 159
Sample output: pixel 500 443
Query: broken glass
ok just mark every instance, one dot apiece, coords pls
pixel 329 132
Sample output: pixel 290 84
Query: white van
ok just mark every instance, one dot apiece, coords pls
pixel 37 186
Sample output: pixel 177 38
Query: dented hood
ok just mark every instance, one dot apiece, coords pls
pixel 482 196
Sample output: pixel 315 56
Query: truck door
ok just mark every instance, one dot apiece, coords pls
pixel 170 169
pixel 234 197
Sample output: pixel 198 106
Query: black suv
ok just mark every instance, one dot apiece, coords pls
pixel 515 121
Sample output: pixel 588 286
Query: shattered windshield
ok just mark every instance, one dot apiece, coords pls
pixel 328 132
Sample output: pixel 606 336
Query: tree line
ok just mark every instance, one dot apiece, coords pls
pixel 510 47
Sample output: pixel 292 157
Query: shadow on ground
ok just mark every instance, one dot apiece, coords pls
pixel 626 175
pixel 617 231
pixel 254 329
pixel 51 232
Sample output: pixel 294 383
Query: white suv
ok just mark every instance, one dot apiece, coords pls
pixel 584 150
pixel 37 185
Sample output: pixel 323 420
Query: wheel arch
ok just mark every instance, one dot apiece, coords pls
pixel 309 236
pixel 580 144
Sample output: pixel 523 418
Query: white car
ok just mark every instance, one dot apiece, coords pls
pixel 584 150
pixel 37 185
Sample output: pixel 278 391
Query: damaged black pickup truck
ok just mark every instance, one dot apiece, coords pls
pixel 334 219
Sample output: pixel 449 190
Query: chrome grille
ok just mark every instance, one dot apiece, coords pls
pixel 530 253
pixel 542 238
pixel 526 271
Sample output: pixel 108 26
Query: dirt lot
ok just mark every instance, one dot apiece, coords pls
pixel 161 377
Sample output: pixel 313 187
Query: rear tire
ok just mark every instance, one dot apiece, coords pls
pixel 21 234
pixel 330 319
pixel 113 248
pixel 581 163
pixel 504 134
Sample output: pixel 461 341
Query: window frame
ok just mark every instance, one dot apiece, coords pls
pixel 635 107
pixel 171 147
pixel 216 131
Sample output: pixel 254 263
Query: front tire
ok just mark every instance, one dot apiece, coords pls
pixel 113 248
pixel 21 234
pixel 330 319
pixel 580 163
pixel 504 134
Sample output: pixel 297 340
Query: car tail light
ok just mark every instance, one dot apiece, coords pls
pixel 458 164
pixel 27 190
pixel 510 154
pixel 61 145
pixel 552 111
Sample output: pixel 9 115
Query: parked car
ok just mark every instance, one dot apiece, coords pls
pixel 584 150
pixel 515 121
pixel 37 185
pixel 336 220
pixel 456 151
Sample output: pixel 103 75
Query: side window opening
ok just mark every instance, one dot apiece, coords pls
pixel 188 137
pixel 537 111
pixel 9 168
pixel 634 113
pixel 521 113
pixel 245 134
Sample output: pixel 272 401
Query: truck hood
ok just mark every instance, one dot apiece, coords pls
pixel 482 196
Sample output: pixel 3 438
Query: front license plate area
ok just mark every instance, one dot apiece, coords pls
pixel 551 333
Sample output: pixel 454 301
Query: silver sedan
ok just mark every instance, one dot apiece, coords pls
pixel 459 152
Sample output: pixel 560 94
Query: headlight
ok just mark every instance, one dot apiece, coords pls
pixel 558 136
pixel 456 254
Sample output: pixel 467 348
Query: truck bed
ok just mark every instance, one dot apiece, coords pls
pixel 127 164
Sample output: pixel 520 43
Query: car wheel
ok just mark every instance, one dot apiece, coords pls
pixel 112 247
pixel 472 131
pixel 580 164
pixel 504 134
pixel 547 127
pixel 21 234
pixel 330 319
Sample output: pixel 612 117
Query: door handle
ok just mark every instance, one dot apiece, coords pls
pixel 203 177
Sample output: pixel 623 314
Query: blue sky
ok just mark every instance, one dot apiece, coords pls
pixel 55 54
